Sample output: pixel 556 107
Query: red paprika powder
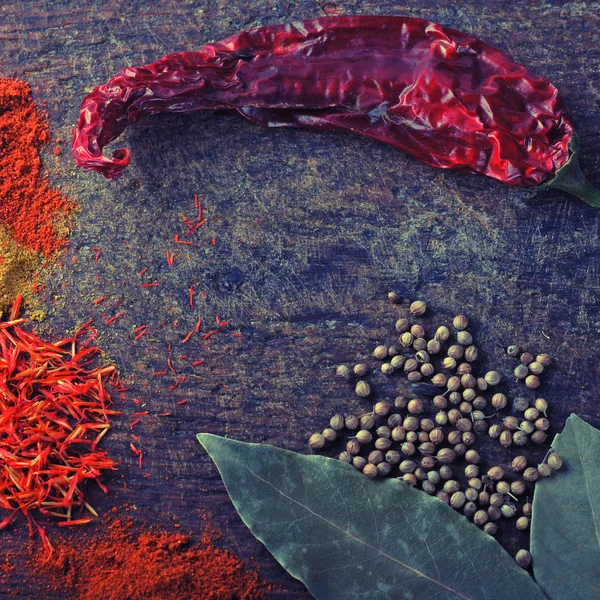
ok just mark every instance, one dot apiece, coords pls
pixel 121 563
pixel 36 215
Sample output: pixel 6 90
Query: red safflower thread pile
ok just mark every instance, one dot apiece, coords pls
pixel 54 411
pixel 120 564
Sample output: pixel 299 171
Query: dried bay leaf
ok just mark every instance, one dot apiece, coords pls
pixel 565 526
pixel 348 537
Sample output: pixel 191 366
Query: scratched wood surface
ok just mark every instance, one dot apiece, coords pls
pixel 314 229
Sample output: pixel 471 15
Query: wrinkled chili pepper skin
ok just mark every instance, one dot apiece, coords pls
pixel 442 96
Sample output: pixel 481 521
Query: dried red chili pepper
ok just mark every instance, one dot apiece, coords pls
pixel 442 96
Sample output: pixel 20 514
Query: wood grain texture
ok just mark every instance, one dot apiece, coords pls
pixel 314 229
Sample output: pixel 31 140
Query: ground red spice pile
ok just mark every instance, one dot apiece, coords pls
pixel 123 564
pixel 35 214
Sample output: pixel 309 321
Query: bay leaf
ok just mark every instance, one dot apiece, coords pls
pixel 347 537
pixel 565 526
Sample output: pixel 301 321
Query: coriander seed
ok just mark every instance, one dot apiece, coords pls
pixel 439 380
pixel 370 471
pixel 443 497
pixel 471 494
pixel 469 509
pixel 387 369
pixel 427 425
pixel 364 437
pixel 480 426
pixel 427 448
pixel 445 472
pixel 532 382
pixel 375 457
pixel 428 487
pixel 544 470
pixel 457 500
pixel 523 558
pixel 527 509
pixel 382 408
pixel 495 431
pixel 471 354
pixel 384 469
pixel 393 351
pixel 380 352
pixel 420 474
pixel 495 473
pixel 367 421
pixel 434 346
pixel 480 517
pixel 453 384
pixel 394 420
pixel 475 483
pixel 468 381
pixel 526 358
pixel 401 402
pixel 420 344
pixel 539 437
pixel 406 339
pixel 393 457
pixel 402 325
pixel 451 486
pixel 505 439
pixel 383 431
pixel 345 457
pixel 359 462
pixel 555 461
pixel 408 448
pixel 543 359
pixel 398 361
pixel 499 401
pixel 329 434
pixel 490 528
pixel 415 407
pixel 508 510
pixel 492 377
pixel 464 338
pixel 436 436
pixel 531 414
pixel 519 463
pixel 353 447
pixel 414 376
pixel 531 474
pixel 360 370
pixel 519 438
pixel 482 384
pixel 428 462
pixel 472 457
pixel 410 365
pixel 521 371
pixel 479 403
pixel 316 441
pixel 351 422
pixel 342 371
pixel 454 415
pixel 427 370
pixel 460 322
pixel 454 437
pixel 449 363
pixel 394 297
pixel 484 498
pixel 417 331
pixel 520 404
pixel 409 479
pixel 362 389
pixel 441 418
pixel 541 424
pixel 464 369
pixel 434 477
pixel 411 423
pixel 418 308
pixel 336 422
pixel 523 523
pixel 469 394
pixel 412 436
pixel 541 405
pixel 423 436
pixel 455 397
pixel 422 356
pixel 442 333
pixel 513 351
pixel 446 455
pixel 536 368
pixel 511 423
pixel 493 512
pixel 497 499
pixel 471 471
pixel 383 443
pixel 456 352
pixel 518 487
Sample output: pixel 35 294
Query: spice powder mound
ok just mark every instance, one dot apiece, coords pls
pixel 35 215
pixel 121 563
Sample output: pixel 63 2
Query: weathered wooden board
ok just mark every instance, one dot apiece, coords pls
pixel 314 229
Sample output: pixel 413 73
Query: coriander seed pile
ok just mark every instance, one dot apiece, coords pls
pixel 426 436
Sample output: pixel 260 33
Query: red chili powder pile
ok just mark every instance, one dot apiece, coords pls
pixel 122 564
pixel 34 213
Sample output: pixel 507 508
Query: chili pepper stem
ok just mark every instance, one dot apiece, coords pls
pixel 570 179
